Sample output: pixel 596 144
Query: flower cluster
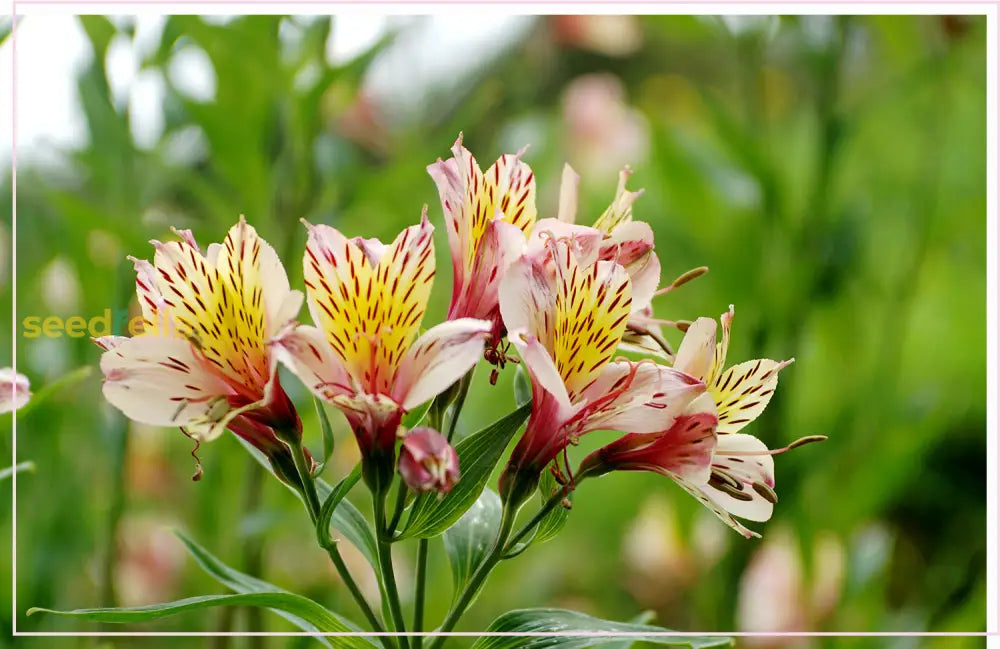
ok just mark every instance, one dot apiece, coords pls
pixel 567 297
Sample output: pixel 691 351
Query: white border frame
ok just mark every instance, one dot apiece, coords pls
pixel 640 7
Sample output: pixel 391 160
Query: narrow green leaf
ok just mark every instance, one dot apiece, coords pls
pixel 17 468
pixel 332 501
pixel 413 418
pixel 66 380
pixel 244 583
pixel 327 430
pixel 478 455
pixel 346 518
pixel 556 519
pixel 471 538
pixel 296 605
pixel 593 632
pixel 642 618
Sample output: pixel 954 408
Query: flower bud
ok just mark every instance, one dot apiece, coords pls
pixel 427 462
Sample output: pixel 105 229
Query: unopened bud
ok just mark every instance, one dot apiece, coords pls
pixel 427 462
pixel 694 273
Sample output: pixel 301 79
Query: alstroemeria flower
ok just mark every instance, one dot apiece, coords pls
pixel 202 361
pixel 682 452
pixel 488 217
pixel 15 390
pixel 567 326
pixel 615 236
pixel 742 470
pixel 368 300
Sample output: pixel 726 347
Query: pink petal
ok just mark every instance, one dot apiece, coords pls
pixel 439 358
pixel 652 400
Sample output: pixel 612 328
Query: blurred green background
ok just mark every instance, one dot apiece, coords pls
pixel 829 170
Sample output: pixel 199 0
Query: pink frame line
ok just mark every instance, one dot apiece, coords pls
pixel 456 634
pixel 497 3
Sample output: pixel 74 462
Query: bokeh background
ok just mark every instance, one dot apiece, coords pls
pixel 829 170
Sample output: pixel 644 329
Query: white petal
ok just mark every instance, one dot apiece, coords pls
pixel 697 350
pixel 305 351
pixel 439 358
pixel 527 300
pixel 585 239
pixel 651 402
pixel 541 367
pixel 758 467
pixel 161 381
pixel 568 195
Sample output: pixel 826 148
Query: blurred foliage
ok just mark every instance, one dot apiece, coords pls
pixel 831 173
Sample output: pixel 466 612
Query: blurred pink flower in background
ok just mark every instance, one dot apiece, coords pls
pixel 603 133
pixel 608 35
pixel 150 559
pixel 14 390
pixel 775 594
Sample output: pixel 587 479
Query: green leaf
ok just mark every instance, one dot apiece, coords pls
pixel 244 583
pixel 413 418
pixel 471 538
pixel 17 468
pixel 478 455
pixel 352 524
pixel 642 618
pixel 296 605
pixel 346 518
pixel 556 519
pixel 332 501
pixel 593 632
pixel 327 430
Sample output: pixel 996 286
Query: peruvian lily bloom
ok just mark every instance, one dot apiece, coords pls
pixel 741 482
pixel 566 326
pixel 615 236
pixel 15 390
pixel 488 217
pixel 368 300
pixel 682 452
pixel 202 361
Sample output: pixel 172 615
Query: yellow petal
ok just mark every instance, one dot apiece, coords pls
pixel 591 310
pixel 369 299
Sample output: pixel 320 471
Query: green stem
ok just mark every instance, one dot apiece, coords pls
pixel 313 507
pixel 400 506
pixel 418 600
pixel 345 575
pixel 308 484
pixel 463 391
pixel 385 563
pixel 479 576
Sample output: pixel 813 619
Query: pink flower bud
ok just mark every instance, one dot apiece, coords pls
pixel 427 462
